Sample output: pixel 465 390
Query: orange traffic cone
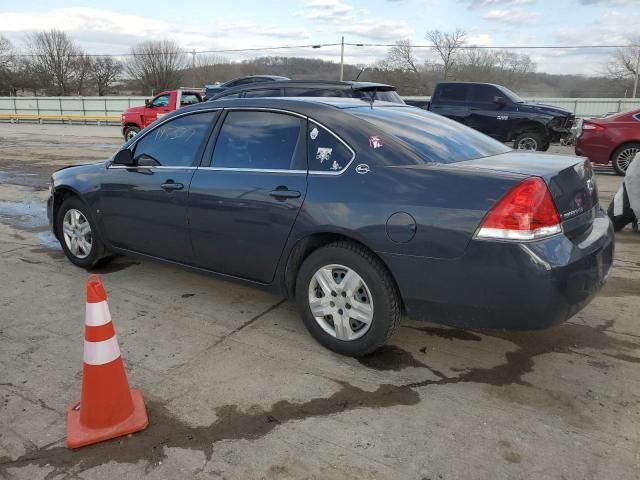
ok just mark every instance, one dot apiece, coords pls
pixel 107 408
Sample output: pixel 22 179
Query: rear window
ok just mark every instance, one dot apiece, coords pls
pixel 452 92
pixel 434 138
pixel 383 96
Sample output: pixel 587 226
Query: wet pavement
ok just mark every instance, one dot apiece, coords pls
pixel 235 387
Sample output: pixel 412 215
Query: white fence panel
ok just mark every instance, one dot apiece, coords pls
pixel 114 106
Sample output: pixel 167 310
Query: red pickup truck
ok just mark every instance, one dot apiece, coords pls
pixel 135 119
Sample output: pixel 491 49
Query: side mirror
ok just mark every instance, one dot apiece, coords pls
pixel 147 103
pixel 124 157
pixel 500 101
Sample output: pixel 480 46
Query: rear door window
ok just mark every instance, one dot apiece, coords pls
pixel 175 143
pixel 452 92
pixel 189 99
pixel 326 152
pixel 258 140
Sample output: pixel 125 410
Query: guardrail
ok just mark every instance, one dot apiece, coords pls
pixel 107 110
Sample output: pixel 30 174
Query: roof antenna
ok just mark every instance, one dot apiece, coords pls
pixel 359 73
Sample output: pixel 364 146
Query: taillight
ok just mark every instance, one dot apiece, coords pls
pixel 592 127
pixel 526 212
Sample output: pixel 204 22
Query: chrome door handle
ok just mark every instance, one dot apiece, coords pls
pixel 171 185
pixel 283 193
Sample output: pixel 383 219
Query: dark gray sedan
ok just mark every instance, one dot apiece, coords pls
pixel 361 212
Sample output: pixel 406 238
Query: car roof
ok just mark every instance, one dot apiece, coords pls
pixel 301 105
pixel 348 84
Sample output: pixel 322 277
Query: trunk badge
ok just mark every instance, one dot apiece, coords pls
pixel 362 169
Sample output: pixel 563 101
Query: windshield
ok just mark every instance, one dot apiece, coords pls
pixel 434 138
pixel 510 95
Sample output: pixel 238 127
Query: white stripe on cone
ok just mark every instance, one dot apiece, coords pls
pixel 97 314
pixel 99 353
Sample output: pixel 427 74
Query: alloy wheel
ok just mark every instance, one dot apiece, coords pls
pixel 341 302
pixel 527 143
pixel 625 157
pixel 76 231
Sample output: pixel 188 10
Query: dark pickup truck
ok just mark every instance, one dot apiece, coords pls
pixel 500 113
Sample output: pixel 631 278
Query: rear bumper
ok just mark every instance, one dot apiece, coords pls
pixel 597 151
pixel 507 285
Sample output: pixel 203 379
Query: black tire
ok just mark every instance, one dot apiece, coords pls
pixel 619 163
pixel 130 132
pixel 532 139
pixel 384 296
pixel 98 254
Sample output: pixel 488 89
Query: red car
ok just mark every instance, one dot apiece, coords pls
pixel 135 119
pixel 614 139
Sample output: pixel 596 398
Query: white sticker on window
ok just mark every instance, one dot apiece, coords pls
pixel 314 133
pixel 323 154
pixel 335 166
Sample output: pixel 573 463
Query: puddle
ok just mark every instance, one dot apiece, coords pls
pixel 99 146
pixel 390 357
pixel 30 216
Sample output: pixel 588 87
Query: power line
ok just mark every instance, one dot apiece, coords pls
pixel 197 52
pixel 480 47
pixel 321 45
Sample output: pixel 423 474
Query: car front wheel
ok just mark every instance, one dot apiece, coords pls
pixel 77 234
pixel 348 300
pixel 130 132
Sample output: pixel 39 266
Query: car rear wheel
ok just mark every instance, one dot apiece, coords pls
pixel 532 141
pixel 77 234
pixel 348 300
pixel 623 157
pixel 130 132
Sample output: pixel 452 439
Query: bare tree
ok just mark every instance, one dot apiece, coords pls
pixel 54 58
pixel 625 64
pixel 103 73
pixel 6 53
pixel 447 46
pixel 157 65
pixel 82 65
pixel 401 57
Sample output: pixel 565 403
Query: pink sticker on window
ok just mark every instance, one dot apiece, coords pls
pixel 375 142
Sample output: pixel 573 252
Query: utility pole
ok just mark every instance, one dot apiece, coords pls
pixel 635 81
pixel 342 60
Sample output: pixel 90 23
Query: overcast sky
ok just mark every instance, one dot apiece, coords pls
pixel 113 26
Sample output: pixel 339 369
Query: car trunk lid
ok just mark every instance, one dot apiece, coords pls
pixel 569 179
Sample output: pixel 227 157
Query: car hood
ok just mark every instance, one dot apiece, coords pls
pixel 79 169
pixel 139 109
pixel 544 109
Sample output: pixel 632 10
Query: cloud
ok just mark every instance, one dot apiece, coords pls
pixel 495 3
pixel 386 30
pixel 326 10
pixel 610 2
pixel 103 30
pixel 520 17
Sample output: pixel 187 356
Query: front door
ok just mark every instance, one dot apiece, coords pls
pixel 244 202
pixel 158 107
pixel 143 208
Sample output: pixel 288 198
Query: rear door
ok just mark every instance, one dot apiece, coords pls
pixel 451 101
pixel 245 198
pixel 143 208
